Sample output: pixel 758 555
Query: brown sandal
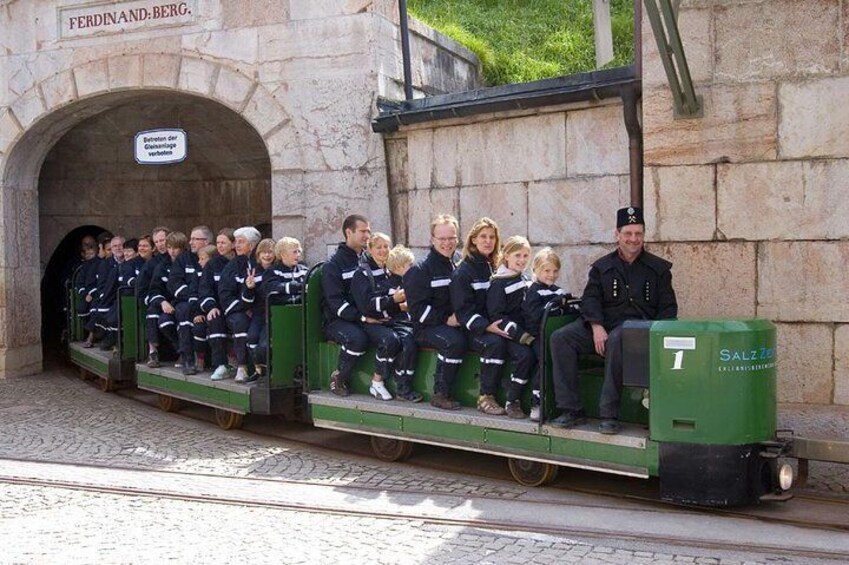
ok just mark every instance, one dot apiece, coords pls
pixel 488 405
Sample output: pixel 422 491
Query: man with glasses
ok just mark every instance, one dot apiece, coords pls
pixel 183 285
pixel 429 303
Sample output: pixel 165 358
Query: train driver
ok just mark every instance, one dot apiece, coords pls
pixel 627 284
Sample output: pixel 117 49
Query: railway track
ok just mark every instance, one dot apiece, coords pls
pixel 649 525
pixel 808 510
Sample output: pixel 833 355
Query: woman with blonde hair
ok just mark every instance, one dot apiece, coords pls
pixel 469 286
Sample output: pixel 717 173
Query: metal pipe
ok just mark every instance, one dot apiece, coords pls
pixel 635 144
pixel 638 39
pixel 405 50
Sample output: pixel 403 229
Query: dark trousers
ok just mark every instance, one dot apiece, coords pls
pixel 405 361
pixel 567 344
pixel 524 360
pixel 450 345
pixel 492 349
pixel 238 324
pixel 353 342
pixel 258 340
pixel 199 339
pixel 216 338
pixel 185 327
pixel 387 345
pixel 158 322
pixel 111 326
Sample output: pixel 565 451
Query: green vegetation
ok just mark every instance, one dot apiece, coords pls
pixel 525 40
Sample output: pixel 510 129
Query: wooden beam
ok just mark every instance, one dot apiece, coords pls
pixel 603 33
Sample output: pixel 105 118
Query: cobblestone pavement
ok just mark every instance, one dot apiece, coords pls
pixel 48 524
pixel 51 417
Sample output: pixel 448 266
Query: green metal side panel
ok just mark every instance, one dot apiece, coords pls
pixel 515 440
pixel 129 328
pixel 202 394
pixel 713 382
pixel 91 363
pixel 599 452
pixel 444 430
pixel 286 351
pixel 313 335
pixel 141 329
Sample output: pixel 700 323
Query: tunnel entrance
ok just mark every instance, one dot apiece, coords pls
pixel 90 181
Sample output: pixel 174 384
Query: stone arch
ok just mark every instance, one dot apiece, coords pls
pixel 39 117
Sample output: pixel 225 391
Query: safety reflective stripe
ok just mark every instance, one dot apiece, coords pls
pixel 216 278
pixel 207 299
pixel 339 311
pixel 155 296
pixel 440 357
pixel 232 304
pixel 378 272
pixel 258 278
pixel 154 316
pixel 190 270
pixel 439 282
pixel 179 290
pixel 480 285
pixel 217 336
pixel 424 315
pixel 240 280
pixel 186 324
pixel 241 334
pixel 252 345
pixel 509 326
pixel 198 338
pixel 472 319
pixel 348 275
pixel 519 381
pixel 546 292
pixel 246 299
pixel 168 323
pixel 193 299
pixel 382 360
pixel 515 286
pixel 491 361
pixel 354 353
pixel 377 300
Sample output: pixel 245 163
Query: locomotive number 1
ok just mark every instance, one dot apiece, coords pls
pixel 679 345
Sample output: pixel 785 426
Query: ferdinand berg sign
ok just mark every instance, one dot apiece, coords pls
pixel 115 17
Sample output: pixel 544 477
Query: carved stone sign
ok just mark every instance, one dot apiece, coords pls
pixel 105 18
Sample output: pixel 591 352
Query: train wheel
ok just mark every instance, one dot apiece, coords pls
pixel 84 374
pixel 532 473
pixel 107 385
pixel 388 449
pixel 167 403
pixel 228 420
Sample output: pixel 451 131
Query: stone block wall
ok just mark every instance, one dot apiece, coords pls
pixel 556 176
pixel 750 201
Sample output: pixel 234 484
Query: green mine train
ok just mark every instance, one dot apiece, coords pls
pixel 698 408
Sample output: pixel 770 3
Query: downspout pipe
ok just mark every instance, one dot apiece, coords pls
pixel 635 144
pixel 405 50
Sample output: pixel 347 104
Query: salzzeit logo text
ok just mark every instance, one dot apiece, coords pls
pixel 746 359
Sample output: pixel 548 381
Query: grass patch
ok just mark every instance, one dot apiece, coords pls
pixel 525 40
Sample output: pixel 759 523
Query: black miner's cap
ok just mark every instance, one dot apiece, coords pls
pixel 629 215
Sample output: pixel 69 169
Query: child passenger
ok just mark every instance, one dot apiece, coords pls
pixel 504 302
pixel 546 268
pixel 398 262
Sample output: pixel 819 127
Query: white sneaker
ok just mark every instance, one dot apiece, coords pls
pixel 241 375
pixel 378 390
pixel 535 413
pixel 221 372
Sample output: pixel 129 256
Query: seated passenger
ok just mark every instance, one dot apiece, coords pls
pixel 342 320
pixel 183 286
pixel 157 239
pixel 504 302
pixel 469 286
pixel 255 293
pixel 429 303
pixel 231 295
pixel 627 284
pixel 160 309
pixel 95 283
pixel 370 289
pixel 546 268
pixel 282 283
pixel 398 262
pixel 85 274
pixel 224 243
pixel 108 293
pixel 199 326
pixel 127 273
pixel 212 267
